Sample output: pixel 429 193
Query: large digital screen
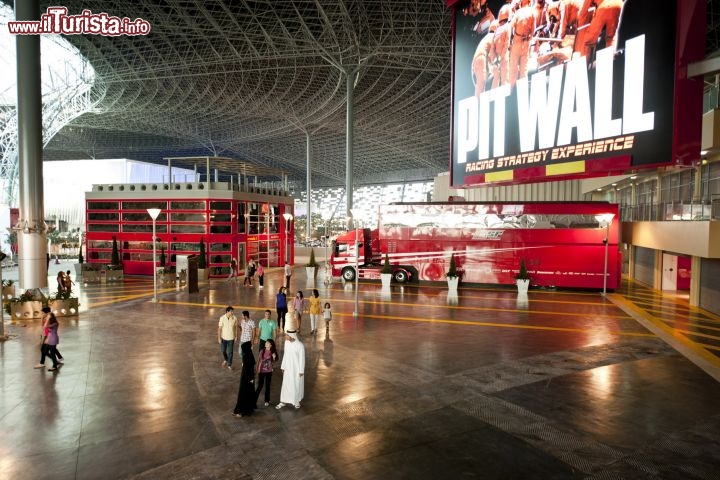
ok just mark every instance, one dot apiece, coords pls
pixel 550 90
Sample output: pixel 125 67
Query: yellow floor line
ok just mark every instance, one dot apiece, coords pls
pixel 694 352
pixel 435 320
pixel 127 297
pixel 670 323
pixel 489 309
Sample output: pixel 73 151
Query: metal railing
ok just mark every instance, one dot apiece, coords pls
pixel 672 211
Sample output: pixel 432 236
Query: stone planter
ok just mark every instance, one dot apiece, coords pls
pixel 386 279
pixel 310 273
pixel 522 286
pixel 90 274
pixel 78 270
pixel 26 310
pixel 8 293
pixel 452 283
pixel 65 307
pixel 113 275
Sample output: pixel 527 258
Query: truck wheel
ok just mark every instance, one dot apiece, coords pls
pixel 400 276
pixel 348 274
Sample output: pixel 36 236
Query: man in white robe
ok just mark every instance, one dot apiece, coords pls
pixel 293 367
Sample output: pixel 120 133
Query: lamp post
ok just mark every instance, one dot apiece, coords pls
pixel 287 217
pixel 327 260
pixel 355 213
pixel 605 220
pixel 154 212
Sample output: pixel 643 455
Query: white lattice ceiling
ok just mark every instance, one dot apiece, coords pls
pixel 247 79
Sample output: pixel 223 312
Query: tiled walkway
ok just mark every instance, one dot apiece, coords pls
pixel 419 385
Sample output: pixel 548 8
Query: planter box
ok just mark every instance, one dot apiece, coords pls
pixel 522 286
pixel 78 270
pixel 64 308
pixel 113 275
pixel 452 283
pixel 166 278
pixel 8 293
pixel 386 279
pixel 90 274
pixel 26 310
pixel 310 272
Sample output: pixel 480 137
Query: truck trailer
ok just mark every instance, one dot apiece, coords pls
pixel 564 244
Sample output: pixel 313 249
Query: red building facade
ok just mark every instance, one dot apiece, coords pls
pixel 233 221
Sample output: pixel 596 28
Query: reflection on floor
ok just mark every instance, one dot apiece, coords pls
pixel 421 384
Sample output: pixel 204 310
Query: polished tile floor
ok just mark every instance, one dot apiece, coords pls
pixel 420 385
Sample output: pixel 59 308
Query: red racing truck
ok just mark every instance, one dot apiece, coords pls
pixel 564 244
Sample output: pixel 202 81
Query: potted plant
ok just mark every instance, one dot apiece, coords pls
pixel 91 272
pixel 8 290
pixel 202 261
pixel 452 275
pixel 114 271
pixel 522 279
pixel 26 306
pixel 115 256
pixel 79 264
pixel 167 275
pixel 311 266
pixel 64 304
pixel 386 272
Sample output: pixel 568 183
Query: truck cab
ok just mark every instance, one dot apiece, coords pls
pixel 361 248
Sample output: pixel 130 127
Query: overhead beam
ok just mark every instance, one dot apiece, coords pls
pixel 704 68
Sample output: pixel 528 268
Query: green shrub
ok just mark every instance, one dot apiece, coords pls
pixel 202 262
pixel 522 273
pixel 452 270
pixel 387 268
pixel 115 258
pixel 312 262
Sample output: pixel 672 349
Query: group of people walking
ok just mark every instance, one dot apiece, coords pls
pixel 251 270
pixel 257 372
pixel 264 334
pixel 300 305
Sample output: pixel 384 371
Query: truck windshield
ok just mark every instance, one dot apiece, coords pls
pixel 339 248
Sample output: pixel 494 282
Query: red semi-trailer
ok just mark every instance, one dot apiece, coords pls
pixel 564 244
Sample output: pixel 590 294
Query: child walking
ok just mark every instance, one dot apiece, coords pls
pixel 327 316
pixel 268 355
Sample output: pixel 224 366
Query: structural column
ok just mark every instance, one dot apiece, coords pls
pixel 308 224
pixel 350 119
pixel 31 228
pixel 695 270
